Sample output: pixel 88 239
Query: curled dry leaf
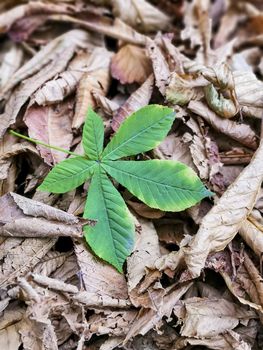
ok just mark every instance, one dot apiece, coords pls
pixel 50 263
pixel 252 233
pixel 55 284
pixel 63 85
pixel 206 318
pixel 138 99
pixel 95 80
pixel 248 88
pixel 11 60
pixel 222 223
pixel 239 132
pixel 160 66
pixel 131 65
pixel 140 14
pixel 94 300
pixel 51 125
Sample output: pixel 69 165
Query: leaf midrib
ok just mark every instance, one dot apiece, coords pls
pixel 130 139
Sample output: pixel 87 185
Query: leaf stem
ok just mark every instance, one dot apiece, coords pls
pixel 12 132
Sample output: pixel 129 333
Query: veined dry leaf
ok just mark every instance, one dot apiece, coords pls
pixel 252 233
pixel 223 221
pixel 51 125
pixel 138 99
pixel 63 46
pixel 206 318
pixel 145 252
pixel 97 80
pixel 51 60
pixel 180 91
pixel 107 106
pixel 160 66
pixel 144 211
pixel 32 8
pixel 148 319
pixel 117 29
pixel 11 60
pixel 248 88
pixel 98 277
pixel 140 14
pixel 10 338
pixel 68 271
pixel 50 263
pixel 239 132
pixel 62 86
pixel 255 276
pixel 130 65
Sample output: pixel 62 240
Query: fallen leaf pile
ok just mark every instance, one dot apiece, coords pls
pixel 194 279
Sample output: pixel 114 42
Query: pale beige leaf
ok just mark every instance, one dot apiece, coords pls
pixel 206 318
pixel 131 65
pixel 10 338
pixel 150 318
pixel 180 91
pixel 51 125
pixel 50 263
pixel 53 283
pixel 252 233
pixel 160 66
pixel 138 99
pixel 248 88
pixel 255 276
pixel 10 62
pixel 140 14
pixel 95 80
pixel 222 223
pixel 239 132
pixel 99 277
pixel 100 301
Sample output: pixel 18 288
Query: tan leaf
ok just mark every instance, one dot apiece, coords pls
pixel 51 125
pixel 138 99
pixel 11 60
pixel 96 80
pixel 160 66
pixel 99 277
pixel 51 60
pixel 10 338
pixel 140 14
pixel 145 211
pixel 56 90
pixel 50 263
pixel 24 217
pixel 100 301
pixel 131 65
pixel 248 88
pixel 252 233
pixel 206 318
pixel 239 132
pixel 222 223
pixel 54 284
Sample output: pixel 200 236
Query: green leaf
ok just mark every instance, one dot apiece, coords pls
pixel 163 184
pixel 112 237
pixel 68 175
pixel 93 135
pixel 140 132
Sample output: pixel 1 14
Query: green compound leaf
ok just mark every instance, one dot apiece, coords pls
pixel 68 174
pixel 93 135
pixel 140 132
pixel 112 238
pixel 163 184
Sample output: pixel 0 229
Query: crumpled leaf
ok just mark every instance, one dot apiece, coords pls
pixel 51 125
pixel 242 133
pixel 130 65
pixel 138 99
pixel 224 220
pixel 140 14
pixel 249 89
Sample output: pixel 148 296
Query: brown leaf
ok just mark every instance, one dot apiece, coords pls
pixel 138 99
pixel 221 224
pixel 131 65
pixel 239 132
pixel 51 125
pixel 140 14
pixel 11 60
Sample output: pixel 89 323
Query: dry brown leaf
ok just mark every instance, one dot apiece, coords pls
pixel 160 66
pixel 99 277
pixel 10 338
pixel 94 300
pixel 148 319
pixel 11 60
pixel 7 19
pixel 54 284
pixel 145 252
pixel 50 263
pixel 206 318
pixel 63 85
pixel 24 217
pixel 239 132
pixel 222 223
pixel 138 99
pixel 248 88
pixel 140 14
pixel 145 211
pixel 252 233
pixel 51 125
pixel 131 65
pixel 95 80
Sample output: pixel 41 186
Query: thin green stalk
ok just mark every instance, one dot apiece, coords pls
pixel 12 132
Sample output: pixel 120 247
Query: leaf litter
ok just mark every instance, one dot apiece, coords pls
pixel 194 278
